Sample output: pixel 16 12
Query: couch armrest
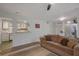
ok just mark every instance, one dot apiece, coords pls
pixel 42 39
pixel 76 50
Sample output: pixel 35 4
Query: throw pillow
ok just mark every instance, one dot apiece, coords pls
pixel 64 42
pixel 71 43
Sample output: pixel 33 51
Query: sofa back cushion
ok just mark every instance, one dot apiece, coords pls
pixel 57 38
pixel 48 37
pixel 71 43
pixel 64 41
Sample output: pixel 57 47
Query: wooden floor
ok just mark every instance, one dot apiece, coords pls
pixel 35 50
pixel 6 45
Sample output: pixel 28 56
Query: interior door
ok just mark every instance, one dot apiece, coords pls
pixel 71 30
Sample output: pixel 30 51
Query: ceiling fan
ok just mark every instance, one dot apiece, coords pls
pixel 48 7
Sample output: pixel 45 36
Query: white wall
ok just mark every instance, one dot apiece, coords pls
pixel 59 28
pixel 56 28
pixel 34 33
pixel 53 28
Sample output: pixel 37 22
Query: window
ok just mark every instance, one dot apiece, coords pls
pixel 7 26
pixel 22 27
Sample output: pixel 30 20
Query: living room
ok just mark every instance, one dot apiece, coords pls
pixel 23 24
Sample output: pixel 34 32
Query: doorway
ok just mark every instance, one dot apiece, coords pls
pixel 5 33
pixel 71 30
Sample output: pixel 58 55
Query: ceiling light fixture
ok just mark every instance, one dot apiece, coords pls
pixel 68 22
pixel 62 18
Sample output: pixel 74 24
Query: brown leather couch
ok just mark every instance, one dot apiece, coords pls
pixel 60 45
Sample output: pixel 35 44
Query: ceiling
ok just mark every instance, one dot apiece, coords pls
pixel 39 10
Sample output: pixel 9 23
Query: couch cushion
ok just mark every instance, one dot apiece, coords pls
pixel 48 37
pixel 71 43
pixel 57 38
pixel 60 38
pixel 59 49
pixel 64 41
